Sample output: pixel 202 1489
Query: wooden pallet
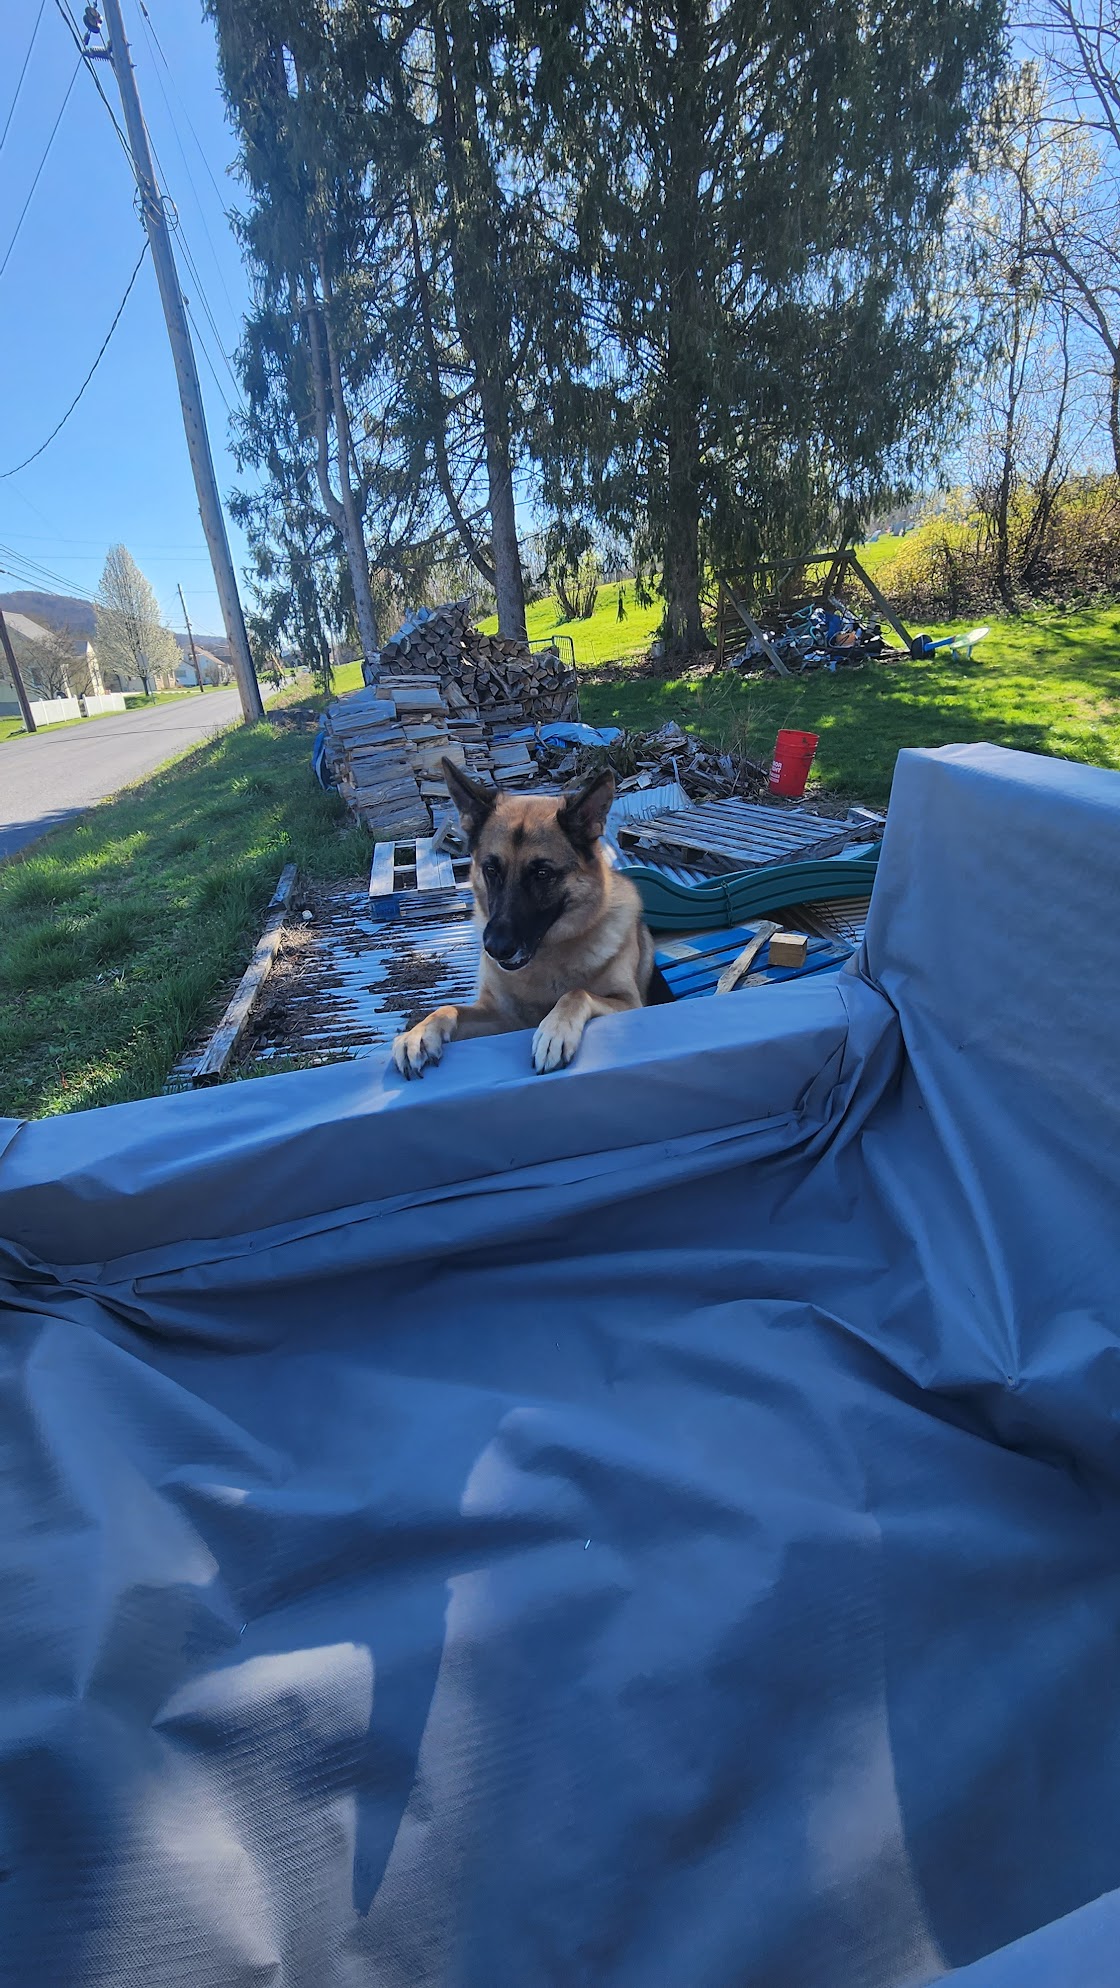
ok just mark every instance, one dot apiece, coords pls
pixel 739 835
pixel 691 966
pixel 416 880
pixel 363 973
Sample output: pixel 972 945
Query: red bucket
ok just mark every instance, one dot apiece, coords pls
pixel 793 756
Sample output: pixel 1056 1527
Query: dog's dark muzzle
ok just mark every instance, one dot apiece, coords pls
pixel 506 950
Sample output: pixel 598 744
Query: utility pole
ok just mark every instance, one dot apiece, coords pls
pixel 182 351
pixel 6 642
pixel 190 638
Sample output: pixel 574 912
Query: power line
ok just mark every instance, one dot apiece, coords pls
pixel 149 28
pixel 181 553
pixel 22 74
pixel 4 474
pixel 196 275
pixel 39 168
pixel 39 579
pixel 202 153
pixel 33 574
pixel 64 10
pixel 205 350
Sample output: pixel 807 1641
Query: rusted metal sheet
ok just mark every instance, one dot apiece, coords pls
pixel 356 975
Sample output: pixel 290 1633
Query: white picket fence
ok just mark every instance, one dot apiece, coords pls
pixel 55 710
pixel 113 700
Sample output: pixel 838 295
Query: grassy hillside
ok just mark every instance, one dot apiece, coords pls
pixel 603 638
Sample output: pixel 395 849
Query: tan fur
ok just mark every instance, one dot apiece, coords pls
pixel 596 959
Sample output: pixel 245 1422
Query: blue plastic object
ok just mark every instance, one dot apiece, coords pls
pixel 652 1526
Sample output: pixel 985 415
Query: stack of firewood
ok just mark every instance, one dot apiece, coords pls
pixel 503 681
pixel 443 691
pixel 515 685
pixel 430 639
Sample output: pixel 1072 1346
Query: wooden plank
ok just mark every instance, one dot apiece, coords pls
pixel 759 635
pixel 880 600
pixel 741 965
pixel 225 1038
pixel 433 872
pixel 381 870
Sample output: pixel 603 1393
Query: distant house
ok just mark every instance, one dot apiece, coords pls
pixel 53 662
pixel 213 669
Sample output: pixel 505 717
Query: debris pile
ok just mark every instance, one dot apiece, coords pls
pixel 649 759
pixel 812 637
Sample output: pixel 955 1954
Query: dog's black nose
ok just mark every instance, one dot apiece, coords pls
pixel 510 960
pixel 505 950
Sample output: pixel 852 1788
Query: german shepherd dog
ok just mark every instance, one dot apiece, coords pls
pixel 562 932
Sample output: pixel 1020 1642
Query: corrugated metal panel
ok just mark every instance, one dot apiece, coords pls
pixel 350 981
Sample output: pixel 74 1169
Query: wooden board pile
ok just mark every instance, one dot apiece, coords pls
pixel 728 836
pixel 370 759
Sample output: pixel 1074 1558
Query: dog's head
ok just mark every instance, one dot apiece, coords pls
pixel 536 865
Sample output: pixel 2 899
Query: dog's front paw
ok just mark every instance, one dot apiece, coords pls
pixel 560 1034
pixel 419 1046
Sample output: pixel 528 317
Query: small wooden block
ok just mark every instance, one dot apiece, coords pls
pixel 789 949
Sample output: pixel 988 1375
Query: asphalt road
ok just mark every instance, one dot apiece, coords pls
pixel 52 777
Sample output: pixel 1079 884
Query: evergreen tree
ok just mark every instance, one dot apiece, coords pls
pixel 305 356
pixel 757 193
pixel 398 167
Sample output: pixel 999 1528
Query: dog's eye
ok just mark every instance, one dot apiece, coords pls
pixel 492 870
pixel 541 873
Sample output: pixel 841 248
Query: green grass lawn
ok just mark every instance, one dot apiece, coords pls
pixel 116 932
pixel 138 703
pixel 13 728
pixel 603 638
pixel 347 677
pixel 1045 682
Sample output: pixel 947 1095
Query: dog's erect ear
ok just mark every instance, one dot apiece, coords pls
pixel 475 804
pixel 583 816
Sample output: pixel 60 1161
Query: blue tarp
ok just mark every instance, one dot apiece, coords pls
pixel 653 1526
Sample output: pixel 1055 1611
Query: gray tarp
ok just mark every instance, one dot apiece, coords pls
pixel 655 1526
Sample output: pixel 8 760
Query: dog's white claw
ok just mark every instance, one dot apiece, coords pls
pixel 554 1044
pixel 416 1048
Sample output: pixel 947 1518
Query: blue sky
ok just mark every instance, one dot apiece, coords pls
pixel 119 469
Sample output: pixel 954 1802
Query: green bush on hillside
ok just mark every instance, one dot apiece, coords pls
pixel 1060 551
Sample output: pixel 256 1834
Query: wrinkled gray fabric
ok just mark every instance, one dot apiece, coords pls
pixel 653 1526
